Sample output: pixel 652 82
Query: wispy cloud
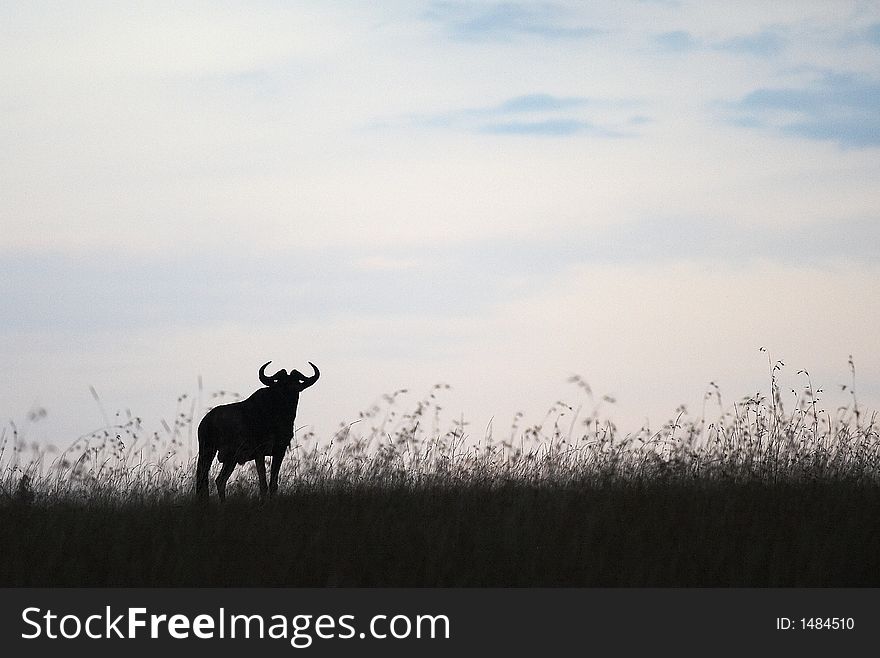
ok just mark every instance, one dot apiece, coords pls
pixel 538 114
pixel 382 263
pixel 79 295
pixel 539 103
pixel 507 20
pixel 837 107
pixel 548 127
pixel 676 41
pixel 768 42
pixel 533 104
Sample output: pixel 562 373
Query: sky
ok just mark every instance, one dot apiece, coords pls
pixel 493 196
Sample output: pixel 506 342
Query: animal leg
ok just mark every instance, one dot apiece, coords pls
pixel 260 463
pixel 202 468
pixel 225 472
pixel 273 478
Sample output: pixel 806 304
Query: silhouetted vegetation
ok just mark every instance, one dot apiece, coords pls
pixel 767 494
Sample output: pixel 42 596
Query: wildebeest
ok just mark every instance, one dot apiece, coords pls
pixel 252 429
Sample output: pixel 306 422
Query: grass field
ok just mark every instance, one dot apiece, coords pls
pixel 762 496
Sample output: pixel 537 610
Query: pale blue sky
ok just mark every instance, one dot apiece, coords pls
pixel 492 195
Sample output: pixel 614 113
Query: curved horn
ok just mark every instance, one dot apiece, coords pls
pixel 308 381
pixel 263 378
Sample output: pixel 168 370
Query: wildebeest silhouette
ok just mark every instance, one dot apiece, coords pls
pixel 252 429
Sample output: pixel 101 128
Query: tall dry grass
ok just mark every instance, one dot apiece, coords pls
pixel 774 490
pixel 759 438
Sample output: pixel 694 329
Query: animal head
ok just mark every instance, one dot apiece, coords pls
pixel 295 381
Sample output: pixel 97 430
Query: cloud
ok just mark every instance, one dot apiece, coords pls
pixel 506 20
pixel 837 107
pixel 385 264
pixel 93 293
pixel 549 127
pixel 529 114
pixel 677 41
pixel 765 43
pixel 540 103
pixel 87 294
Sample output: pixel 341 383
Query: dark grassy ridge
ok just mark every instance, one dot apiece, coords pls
pixel 768 494
pixel 654 533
